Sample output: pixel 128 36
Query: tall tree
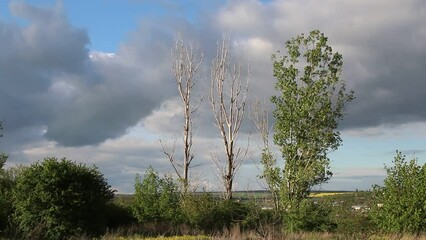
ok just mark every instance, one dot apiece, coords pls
pixel 228 101
pixel 186 62
pixel 309 106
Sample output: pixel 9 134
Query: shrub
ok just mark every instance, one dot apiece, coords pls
pixel 5 195
pixel 156 199
pixel 310 216
pixel 118 215
pixel 58 199
pixel 400 205
pixel 197 210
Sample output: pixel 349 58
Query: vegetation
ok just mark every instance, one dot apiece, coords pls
pixel 54 199
pixel 185 66
pixel 156 199
pixel 228 96
pixel 309 107
pixel 60 199
pixel 400 205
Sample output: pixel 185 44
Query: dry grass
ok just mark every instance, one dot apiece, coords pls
pixel 234 235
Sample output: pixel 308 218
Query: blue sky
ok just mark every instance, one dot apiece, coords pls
pixel 91 80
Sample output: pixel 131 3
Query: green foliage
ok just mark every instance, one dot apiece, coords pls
pixel 156 199
pixel 400 205
pixel 309 216
pixel 272 175
pixel 118 215
pixel 5 196
pixel 197 210
pixel 229 212
pixel 308 109
pixel 347 219
pixel 58 199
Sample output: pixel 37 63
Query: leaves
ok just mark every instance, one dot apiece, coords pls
pixel 156 199
pixel 56 199
pixel 309 107
pixel 400 205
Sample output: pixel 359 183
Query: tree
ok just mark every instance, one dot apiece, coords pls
pixel 400 205
pixel 186 64
pixel 271 173
pixel 3 156
pixel 228 100
pixel 156 199
pixel 309 106
pixel 5 192
pixel 59 199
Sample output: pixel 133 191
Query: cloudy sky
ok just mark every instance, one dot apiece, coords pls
pixel 92 81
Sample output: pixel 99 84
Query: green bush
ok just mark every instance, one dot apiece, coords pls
pixel 197 210
pixel 5 195
pixel 400 205
pixel 58 199
pixel 309 216
pixel 156 199
pixel 227 213
pixel 118 215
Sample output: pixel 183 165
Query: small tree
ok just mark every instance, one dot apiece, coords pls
pixel 59 199
pixel 185 66
pixel 271 173
pixel 156 199
pixel 309 107
pixel 228 101
pixel 400 205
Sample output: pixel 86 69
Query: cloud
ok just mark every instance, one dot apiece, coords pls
pixel 58 97
pixel 51 82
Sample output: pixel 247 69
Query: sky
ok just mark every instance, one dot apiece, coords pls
pixel 91 81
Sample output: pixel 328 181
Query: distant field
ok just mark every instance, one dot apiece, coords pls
pixel 243 195
pixel 323 194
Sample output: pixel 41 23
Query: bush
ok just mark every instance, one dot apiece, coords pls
pixel 58 199
pixel 197 210
pixel 156 199
pixel 5 195
pixel 118 215
pixel 309 216
pixel 400 206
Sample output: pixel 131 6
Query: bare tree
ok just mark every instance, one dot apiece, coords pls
pixel 186 62
pixel 228 100
pixel 259 115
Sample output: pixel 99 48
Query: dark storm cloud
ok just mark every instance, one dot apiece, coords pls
pixel 50 83
pixel 382 44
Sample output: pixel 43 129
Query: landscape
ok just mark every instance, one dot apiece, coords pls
pixel 227 119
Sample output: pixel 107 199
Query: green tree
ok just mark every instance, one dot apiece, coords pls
pixel 5 195
pixel 5 190
pixel 58 199
pixel 400 205
pixel 309 106
pixel 156 199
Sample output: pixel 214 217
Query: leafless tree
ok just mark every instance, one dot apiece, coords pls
pixel 259 115
pixel 228 100
pixel 186 62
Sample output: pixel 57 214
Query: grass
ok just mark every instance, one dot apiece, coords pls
pixel 287 236
pixel 166 238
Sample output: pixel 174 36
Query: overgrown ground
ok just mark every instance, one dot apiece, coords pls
pixel 351 223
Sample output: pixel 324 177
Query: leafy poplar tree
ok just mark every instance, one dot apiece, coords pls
pixel 309 106
pixel 400 205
